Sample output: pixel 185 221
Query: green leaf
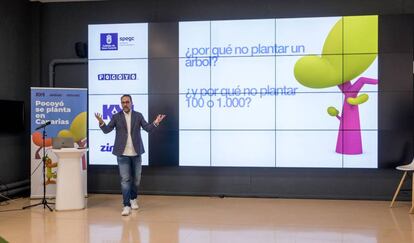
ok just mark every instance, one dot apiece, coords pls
pixel 357 100
pixel 332 111
pixel 349 49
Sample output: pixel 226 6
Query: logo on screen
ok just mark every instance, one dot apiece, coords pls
pixel 109 110
pixel 117 76
pixel 109 41
pixel 126 41
pixel 106 148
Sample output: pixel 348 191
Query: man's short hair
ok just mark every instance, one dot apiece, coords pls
pixel 126 95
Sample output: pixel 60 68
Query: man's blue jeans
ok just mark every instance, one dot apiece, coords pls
pixel 130 172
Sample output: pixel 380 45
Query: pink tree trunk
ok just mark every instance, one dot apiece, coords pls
pixel 349 134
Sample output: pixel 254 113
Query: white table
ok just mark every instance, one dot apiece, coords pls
pixel 69 186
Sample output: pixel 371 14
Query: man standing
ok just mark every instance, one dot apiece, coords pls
pixel 128 148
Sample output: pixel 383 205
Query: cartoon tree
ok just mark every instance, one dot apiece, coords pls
pixel 349 49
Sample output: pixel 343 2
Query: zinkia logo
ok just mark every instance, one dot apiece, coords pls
pixel 107 148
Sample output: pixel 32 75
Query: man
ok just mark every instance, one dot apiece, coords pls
pixel 128 148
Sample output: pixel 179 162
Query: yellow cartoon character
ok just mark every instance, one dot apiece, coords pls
pixel 50 175
pixel 77 131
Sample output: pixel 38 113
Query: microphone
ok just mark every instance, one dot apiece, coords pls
pixel 43 125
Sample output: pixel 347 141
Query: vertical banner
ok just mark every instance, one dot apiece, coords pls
pixel 66 110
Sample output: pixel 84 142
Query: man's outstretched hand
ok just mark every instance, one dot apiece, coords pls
pixel 159 118
pixel 99 118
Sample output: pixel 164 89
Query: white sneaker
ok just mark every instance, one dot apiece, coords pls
pixel 134 204
pixel 126 211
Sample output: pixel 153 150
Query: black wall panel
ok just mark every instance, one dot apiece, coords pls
pixel 15 72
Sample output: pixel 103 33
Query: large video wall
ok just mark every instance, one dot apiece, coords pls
pixel 299 92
